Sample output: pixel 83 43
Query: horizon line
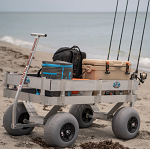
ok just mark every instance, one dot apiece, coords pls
pixel 68 11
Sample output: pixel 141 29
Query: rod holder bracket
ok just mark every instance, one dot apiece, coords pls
pixel 107 68
pixel 127 68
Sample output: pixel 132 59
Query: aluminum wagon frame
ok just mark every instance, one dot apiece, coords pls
pixel 125 121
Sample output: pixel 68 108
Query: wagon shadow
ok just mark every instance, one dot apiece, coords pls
pixel 96 132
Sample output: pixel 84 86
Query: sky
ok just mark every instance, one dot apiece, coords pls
pixel 70 5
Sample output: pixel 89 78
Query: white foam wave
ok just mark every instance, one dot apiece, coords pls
pixel 145 61
pixel 26 44
pixel 17 42
pixel 94 56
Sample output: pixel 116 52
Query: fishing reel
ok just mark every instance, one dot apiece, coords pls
pixel 143 76
pixel 133 75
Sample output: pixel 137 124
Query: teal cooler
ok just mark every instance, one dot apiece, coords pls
pixel 57 70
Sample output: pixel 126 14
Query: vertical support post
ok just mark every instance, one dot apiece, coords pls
pixel 99 86
pixel 6 79
pixel 62 95
pixel 6 83
pixel 131 95
pixel 42 83
pixel 15 87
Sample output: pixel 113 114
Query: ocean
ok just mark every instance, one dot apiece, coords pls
pixel 90 31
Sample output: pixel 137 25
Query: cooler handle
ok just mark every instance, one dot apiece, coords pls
pixel 119 65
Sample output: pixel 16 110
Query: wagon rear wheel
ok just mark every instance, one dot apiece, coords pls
pixel 126 123
pixel 82 113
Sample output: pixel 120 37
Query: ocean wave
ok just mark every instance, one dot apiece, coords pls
pixel 17 42
pixel 144 63
pixel 26 44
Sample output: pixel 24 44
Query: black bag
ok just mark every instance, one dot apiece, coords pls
pixel 72 55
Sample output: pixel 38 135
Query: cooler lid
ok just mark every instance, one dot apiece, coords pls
pixel 112 63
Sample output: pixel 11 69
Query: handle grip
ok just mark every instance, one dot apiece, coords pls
pixel 39 34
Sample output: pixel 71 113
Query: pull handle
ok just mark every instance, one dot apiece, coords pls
pixel 39 34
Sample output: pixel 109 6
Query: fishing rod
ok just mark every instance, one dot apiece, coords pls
pixel 136 71
pixel 112 30
pixel 133 30
pixel 122 29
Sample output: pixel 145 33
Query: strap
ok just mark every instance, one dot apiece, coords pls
pixel 76 47
pixel 74 61
pixel 38 74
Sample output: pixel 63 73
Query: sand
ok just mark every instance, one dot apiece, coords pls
pixel 14 58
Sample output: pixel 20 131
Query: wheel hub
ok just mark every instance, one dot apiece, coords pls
pixel 132 124
pixel 23 118
pixel 67 132
pixel 85 115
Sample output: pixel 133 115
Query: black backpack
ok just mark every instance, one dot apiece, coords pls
pixel 72 55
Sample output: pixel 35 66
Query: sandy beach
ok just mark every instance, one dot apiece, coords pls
pixel 14 58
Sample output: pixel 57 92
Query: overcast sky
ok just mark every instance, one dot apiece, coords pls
pixel 69 5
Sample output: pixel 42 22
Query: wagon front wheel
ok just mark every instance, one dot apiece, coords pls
pixel 61 130
pixel 21 115
pixel 126 123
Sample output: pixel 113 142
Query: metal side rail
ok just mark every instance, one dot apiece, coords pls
pixel 45 100
pixel 70 85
